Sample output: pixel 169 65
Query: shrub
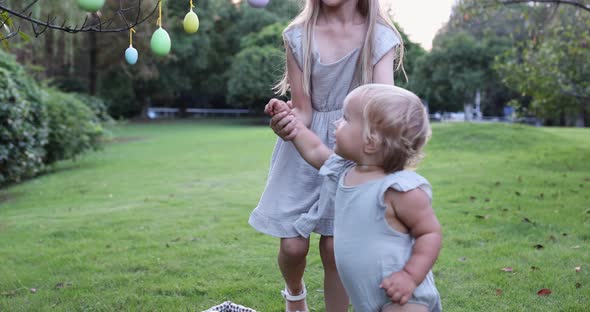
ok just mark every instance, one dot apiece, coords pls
pixel 73 126
pixel 23 123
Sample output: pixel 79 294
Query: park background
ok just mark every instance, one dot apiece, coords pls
pixel 105 209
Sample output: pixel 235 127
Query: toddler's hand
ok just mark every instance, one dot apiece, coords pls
pixel 399 287
pixel 276 106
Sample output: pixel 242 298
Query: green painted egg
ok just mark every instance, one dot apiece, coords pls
pixel 160 42
pixel 191 22
pixel 91 5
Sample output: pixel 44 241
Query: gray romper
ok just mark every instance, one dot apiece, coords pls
pixel 366 247
pixel 288 206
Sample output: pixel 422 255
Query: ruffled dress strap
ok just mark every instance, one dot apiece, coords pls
pixel 405 181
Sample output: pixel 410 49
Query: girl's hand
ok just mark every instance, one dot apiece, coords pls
pixel 399 287
pixel 285 124
pixel 276 106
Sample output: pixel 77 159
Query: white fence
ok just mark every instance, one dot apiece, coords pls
pixel 165 112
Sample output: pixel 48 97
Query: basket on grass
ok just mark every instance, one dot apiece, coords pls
pixel 229 306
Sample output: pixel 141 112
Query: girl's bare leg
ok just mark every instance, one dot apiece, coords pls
pixel 335 296
pixel 291 260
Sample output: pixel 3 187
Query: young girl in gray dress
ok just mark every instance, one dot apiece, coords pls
pixel 331 47
pixel 386 235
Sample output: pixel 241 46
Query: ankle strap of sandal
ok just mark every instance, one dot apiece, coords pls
pixel 290 297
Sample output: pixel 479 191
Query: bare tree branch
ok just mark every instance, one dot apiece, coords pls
pixel 101 26
pixel 578 4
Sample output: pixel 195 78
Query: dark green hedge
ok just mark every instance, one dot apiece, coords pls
pixel 23 123
pixel 39 127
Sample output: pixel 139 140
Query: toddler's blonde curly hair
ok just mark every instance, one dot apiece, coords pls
pixel 397 121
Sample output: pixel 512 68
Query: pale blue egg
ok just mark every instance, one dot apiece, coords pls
pixel 131 55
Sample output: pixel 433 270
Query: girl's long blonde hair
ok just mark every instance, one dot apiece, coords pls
pixel 364 68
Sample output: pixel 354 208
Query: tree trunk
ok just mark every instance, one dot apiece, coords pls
pixel 93 57
pixel 581 119
pixel 140 96
pixel 92 70
pixel 49 54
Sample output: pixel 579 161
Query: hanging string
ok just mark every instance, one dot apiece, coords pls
pixel 159 22
pixel 192 6
pixel 131 31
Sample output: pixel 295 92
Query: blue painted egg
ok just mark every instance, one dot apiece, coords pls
pixel 131 55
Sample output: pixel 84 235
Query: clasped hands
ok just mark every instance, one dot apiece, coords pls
pixel 283 120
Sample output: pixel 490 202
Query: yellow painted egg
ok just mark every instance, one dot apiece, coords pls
pixel 160 42
pixel 191 22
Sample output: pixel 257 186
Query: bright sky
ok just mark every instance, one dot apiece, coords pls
pixel 421 19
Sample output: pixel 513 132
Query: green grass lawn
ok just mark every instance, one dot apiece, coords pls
pixel 157 221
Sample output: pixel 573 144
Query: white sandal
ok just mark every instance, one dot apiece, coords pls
pixel 285 293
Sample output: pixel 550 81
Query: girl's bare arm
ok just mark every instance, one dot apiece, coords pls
pixel 383 70
pixel 301 102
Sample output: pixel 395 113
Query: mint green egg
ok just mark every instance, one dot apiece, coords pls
pixel 191 22
pixel 160 42
pixel 91 5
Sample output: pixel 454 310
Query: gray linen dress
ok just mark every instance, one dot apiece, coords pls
pixel 288 206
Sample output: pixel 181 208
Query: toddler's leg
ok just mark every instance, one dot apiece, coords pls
pixel 335 296
pixel 291 260
pixel 408 307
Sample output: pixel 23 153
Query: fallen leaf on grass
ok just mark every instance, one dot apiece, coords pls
pixel 507 269
pixel 544 292
pixel 578 269
pixel 486 200
pixel 498 292
pixel 482 217
pixel 472 198
pixel 534 268
pixel 517 193
pixel 33 290
pixel 552 238
pixel 576 247
pixel 578 285
pixel 498 183
pixel 462 259
pixel 63 285
pixel 527 220
pixel 538 246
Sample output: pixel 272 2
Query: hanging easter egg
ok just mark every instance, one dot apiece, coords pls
pixel 258 3
pixel 91 5
pixel 191 22
pixel 131 55
pixel 160 42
